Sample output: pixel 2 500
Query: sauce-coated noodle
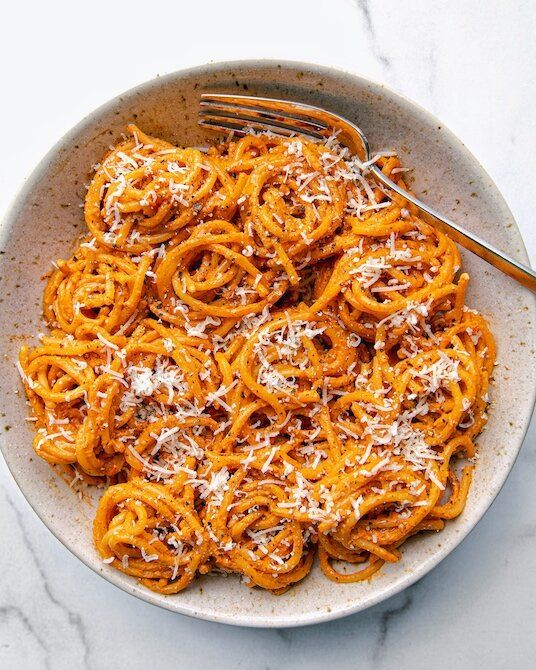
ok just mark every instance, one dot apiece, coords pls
pixel 264 354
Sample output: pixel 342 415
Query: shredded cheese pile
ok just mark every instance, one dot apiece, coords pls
pixel 262 354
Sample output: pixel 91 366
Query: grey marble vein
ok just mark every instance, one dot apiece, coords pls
pixel 284 635
pixel 432 76
pixel 12 611
pixel 370 28
pixel 387 618
pixel 73 618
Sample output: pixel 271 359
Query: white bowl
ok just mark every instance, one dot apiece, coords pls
pixel 46 218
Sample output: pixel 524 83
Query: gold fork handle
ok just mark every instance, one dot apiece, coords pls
pixel 521 273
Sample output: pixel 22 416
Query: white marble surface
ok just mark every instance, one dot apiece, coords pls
pixel 472 64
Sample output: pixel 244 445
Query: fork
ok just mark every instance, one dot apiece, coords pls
pixel 238 113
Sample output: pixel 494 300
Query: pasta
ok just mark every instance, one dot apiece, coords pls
pixel 261 355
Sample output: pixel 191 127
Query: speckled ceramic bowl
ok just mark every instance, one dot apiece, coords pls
pixel 46 218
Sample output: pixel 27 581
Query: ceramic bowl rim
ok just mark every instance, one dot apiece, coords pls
pixel 117 578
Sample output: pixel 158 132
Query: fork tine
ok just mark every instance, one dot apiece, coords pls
pixel 226 126
pixel 265 108
pixel 232 112
pixel 257 122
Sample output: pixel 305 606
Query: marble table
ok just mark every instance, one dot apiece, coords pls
pixel 472 64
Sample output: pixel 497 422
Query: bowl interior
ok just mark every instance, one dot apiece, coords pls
pixel 46 218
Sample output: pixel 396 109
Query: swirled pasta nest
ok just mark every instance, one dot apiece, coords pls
pixel 262 355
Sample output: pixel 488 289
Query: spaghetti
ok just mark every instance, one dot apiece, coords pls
pixel 264 355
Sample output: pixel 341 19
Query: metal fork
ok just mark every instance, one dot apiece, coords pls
pixel 239 112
